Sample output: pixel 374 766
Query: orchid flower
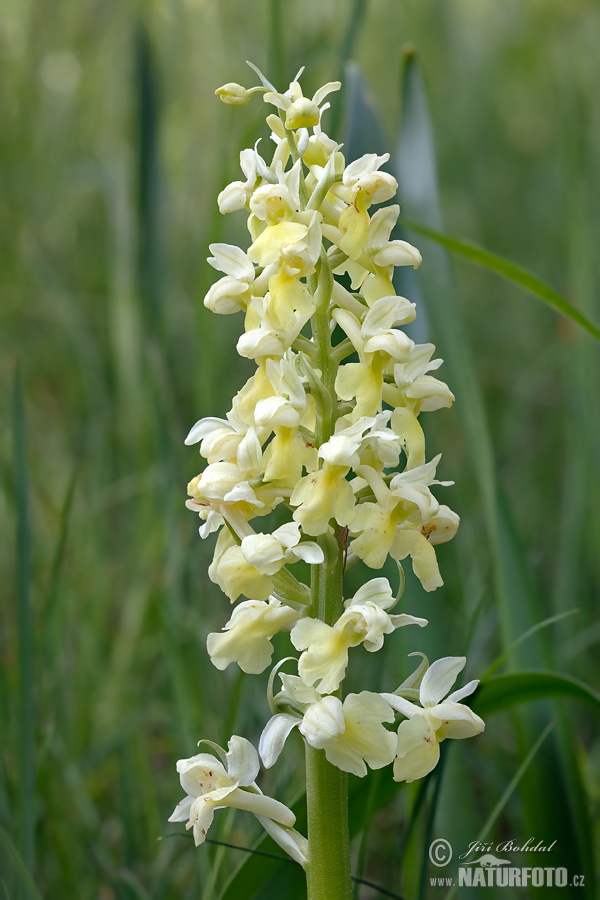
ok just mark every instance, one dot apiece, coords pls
pixel 419 738
pixel 210 784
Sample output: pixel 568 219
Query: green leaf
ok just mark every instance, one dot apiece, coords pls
pixel 346 49
pixel 26 881
pixel 507 691
pixel 509 791
pixel 548 814
pixel 26 652
pixel 508 270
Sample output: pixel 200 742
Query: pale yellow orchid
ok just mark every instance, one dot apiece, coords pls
pixel 419 738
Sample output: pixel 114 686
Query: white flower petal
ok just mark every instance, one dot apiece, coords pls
pixel 377 591
pixel 224 296
pixel 288 839
pixel 365 165
pixel 232 261
pixel 233 197
pixel 242 760
pixel 457 720
pixel 260 342
pixel 439 678
pixel 202 428
pixel 202 814
pixel 299 692
pixel 274 736
pixel 308 551
pixel 242 492
pixel 340 450
pixel 288 535
pixel 382 223
pixel 181 811
pixel 365 740
pixel 463 692
pixel 246 637
pixel 418 750
pixel 404 619
pixel 276 411
pixel 261 805
pixel 408 709
pixel 249 453
pixel 322 722
pixel 398 253
pixel 263 552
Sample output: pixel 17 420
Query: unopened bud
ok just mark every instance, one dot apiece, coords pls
pixel 302 113
pixel 233 94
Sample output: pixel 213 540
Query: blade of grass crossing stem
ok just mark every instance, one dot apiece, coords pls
pixel 495 696
pixel 416 169
pixel 361 851
pixel 26 713
pixel 366 794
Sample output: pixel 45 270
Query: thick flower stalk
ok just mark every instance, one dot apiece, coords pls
pixel 326 433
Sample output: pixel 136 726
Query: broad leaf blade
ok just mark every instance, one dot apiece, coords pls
pixel 507 691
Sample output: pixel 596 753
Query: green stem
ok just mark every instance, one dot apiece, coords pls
pixel 328 868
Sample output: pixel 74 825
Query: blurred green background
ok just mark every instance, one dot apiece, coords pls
pixel 112 151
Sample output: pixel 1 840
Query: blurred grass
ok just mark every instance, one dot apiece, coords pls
pixel 112 151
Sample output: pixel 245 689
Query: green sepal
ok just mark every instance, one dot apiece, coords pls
pixel 289 589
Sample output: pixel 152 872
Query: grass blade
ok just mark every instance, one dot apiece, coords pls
pixel 551 620
pixel 359 8
pixel 276 66
pixel 507 270
pixel 150 257
pixel 59 553
pixel 26 715
pixel 509 790
pixel 363 133
pixel 26 881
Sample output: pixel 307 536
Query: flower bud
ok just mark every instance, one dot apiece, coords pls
pixel 302 113
pixel 233 94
